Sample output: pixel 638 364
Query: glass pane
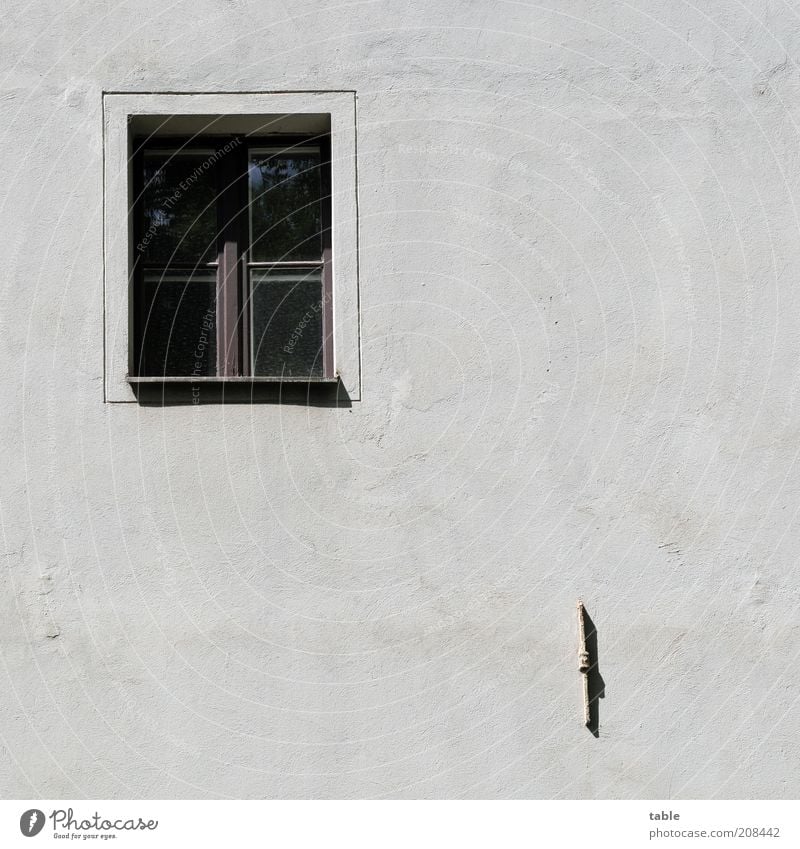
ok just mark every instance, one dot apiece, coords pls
pixel 285 205
pixel 179 324
pixel 286 311
pixel 179 205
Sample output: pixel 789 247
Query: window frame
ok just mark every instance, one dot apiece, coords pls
pixel 233 252
pixel 128 113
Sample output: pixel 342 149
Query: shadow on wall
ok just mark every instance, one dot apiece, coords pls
pixel 597 687
pixel 192 394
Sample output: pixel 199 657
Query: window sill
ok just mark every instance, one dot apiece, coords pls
pixel 246 380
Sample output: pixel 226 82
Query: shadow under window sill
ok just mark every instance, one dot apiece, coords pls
pixel 172 391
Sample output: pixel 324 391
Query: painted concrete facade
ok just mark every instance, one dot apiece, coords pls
pixel 579 255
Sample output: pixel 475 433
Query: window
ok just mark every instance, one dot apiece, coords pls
pixel 232 261
pixel 252 263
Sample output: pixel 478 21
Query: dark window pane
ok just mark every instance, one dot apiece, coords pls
pixel 285 205
pixel 286 310
pixel 178 324
pixel 179 203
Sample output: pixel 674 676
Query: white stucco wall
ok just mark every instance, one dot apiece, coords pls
pixel 579 255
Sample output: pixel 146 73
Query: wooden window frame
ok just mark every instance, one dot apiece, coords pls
pixel 233 263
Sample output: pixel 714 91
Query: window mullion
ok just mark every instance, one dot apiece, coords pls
pixel 228 335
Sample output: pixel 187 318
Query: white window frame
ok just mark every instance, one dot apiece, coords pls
pixel 119 111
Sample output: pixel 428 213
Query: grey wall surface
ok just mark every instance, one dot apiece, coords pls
pixel 579 256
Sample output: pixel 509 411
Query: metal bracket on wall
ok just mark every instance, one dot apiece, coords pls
pixel 583 663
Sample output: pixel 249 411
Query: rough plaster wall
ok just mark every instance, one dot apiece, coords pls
pixel 579 264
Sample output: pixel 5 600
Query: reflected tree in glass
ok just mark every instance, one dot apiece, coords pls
pixel 285 221
pixel 179 205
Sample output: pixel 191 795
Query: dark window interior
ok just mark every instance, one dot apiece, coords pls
pixel 231 274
